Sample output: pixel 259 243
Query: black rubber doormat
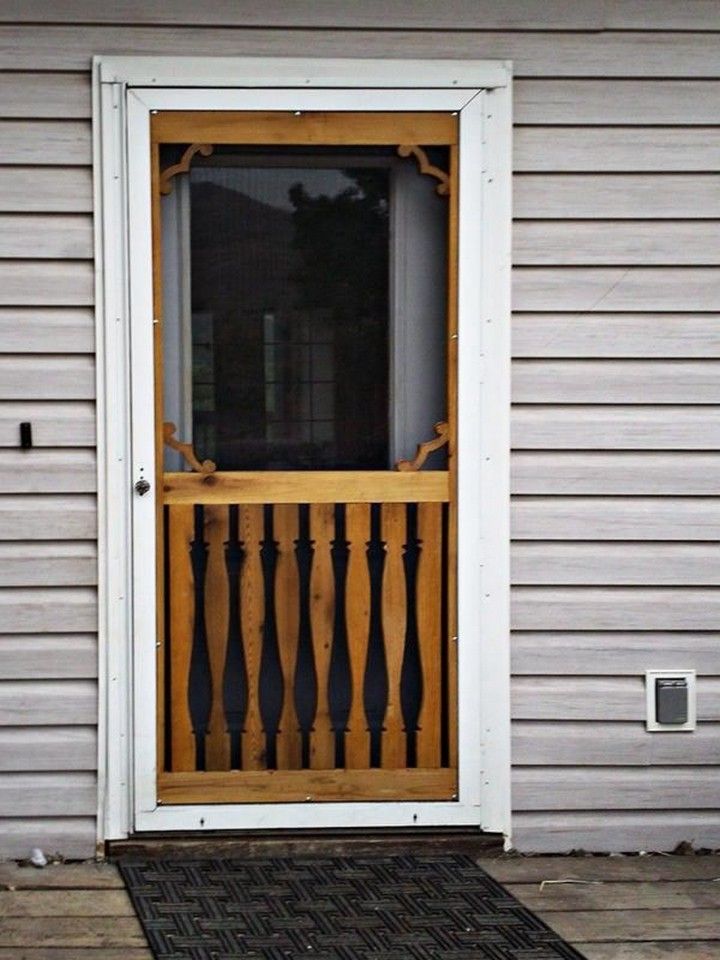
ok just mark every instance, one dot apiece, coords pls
pixel 442 907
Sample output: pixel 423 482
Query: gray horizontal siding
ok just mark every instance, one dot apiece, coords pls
pixel 535 54
pixel 617 326
pixel 465 14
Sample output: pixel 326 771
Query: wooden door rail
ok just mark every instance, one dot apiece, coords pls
pixel 370 486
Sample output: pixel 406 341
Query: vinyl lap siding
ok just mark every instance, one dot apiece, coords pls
pixel 616 341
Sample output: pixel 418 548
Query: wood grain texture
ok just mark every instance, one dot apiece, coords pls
pixel 649 869
pixel 217 742
pixel 72 837
pixel 615 427
pixel 596 243
pixel 430 632
pixel 252 616
pixel 322 610
pixel 614 608
pixel 394 624
pixel 58 236
pixel 40 377
pixel 46 283
pixel 568 788
pixel 591 698
pixel 48 330
pixel 59 96
pixel 661 564
pixel 666 950
pixel 302 129
pixel 457 14
pixel 48 748
pixel 48 471
pixel 612 289
pixel 47 702
pixel 179 635
pixel 287 617
pixel 615 518
pixel 48 517
pixel 629 54
pixel 75 932
pixel 357 616
pixel 46 143
pixel 591 743
pixel 308 486
pixel 49 794
pixel 52 610
pixel 615 831
pixel 60 424
pixel 560 472
pixel 641 895
pixel 45 189
pixel 66 563
pixel 619 149
pixel 616 196
pixel 621 381
pixel 668 924
pixel 631 335
pixel 38 656
pixel 632 102
pixel 577 653
pixel 65 903
pixel 71 876
pixel 272 786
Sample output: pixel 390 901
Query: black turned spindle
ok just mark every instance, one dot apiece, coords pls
pixel 271 685
pixel 411 678
pixel 375 687
pixel 200 679
pixel 339 674
pixel 305 685
pixel 235 679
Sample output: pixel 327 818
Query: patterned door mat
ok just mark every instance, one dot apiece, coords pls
pixel 442 907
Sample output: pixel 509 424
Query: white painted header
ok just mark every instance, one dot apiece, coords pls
pixel 378 73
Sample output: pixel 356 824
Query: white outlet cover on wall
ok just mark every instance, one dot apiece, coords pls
pixel 651 722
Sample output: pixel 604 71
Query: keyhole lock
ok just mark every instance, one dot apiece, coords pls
pixel 142 487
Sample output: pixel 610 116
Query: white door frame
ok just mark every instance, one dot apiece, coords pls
pixel 125 92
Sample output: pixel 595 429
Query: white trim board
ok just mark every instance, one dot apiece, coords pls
pixel 480 93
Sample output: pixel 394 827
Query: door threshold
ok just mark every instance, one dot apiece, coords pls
pixel 336 843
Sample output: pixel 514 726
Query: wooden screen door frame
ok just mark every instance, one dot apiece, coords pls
pixel 128 91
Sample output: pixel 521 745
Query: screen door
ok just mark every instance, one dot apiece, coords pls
pixel 305 289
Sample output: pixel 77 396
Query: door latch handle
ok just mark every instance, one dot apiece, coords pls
pixel 142 487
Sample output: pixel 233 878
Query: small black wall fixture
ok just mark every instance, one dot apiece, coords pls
pixel 26 435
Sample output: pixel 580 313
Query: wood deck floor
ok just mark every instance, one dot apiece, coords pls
pixel 611 908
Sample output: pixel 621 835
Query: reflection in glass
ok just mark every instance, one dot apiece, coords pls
pixel 304 308
pixel 289 281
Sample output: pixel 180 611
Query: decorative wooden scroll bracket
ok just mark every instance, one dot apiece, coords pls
pixel 186 451
pixel 407 150
pixel 205 149
pixel 442 429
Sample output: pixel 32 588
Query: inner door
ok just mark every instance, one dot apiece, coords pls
pixel 305 352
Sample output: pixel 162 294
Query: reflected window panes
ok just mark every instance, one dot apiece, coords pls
pixel 284 337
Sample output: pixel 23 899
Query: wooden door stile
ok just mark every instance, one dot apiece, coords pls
pixel 452 405
pixel 161 626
